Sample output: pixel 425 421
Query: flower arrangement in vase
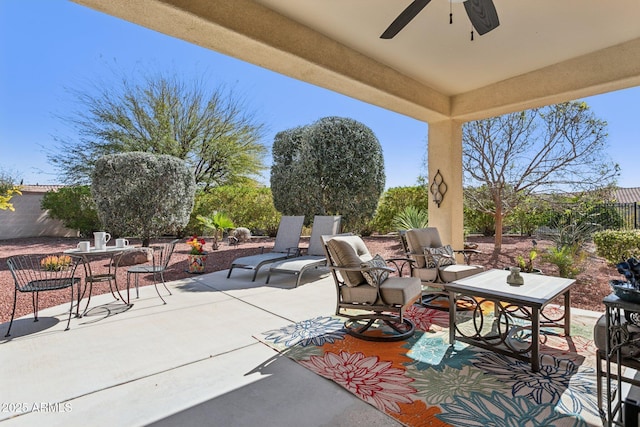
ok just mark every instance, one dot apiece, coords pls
pixel 197 257
pixel 55 263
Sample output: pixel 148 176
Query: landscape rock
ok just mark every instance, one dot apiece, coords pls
pixel 136 256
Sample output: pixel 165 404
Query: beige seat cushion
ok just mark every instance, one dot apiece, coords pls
pixel 451 273
pixel 349 251
pixel 425 274
pixel 395 290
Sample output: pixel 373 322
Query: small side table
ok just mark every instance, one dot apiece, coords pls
pixel 620 315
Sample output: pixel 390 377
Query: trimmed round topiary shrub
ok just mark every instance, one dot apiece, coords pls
pixel 142 194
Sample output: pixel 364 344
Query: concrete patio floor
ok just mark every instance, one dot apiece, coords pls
pixel 192 362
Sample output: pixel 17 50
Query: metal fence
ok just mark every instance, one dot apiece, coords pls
pixel 627 211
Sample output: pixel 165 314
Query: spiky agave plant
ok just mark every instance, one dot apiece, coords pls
pixel 411 217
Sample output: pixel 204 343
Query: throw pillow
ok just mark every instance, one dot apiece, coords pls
pixel 371 275
pixel 439 257
pixel 429 262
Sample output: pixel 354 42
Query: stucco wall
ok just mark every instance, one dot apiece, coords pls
pixel 28 220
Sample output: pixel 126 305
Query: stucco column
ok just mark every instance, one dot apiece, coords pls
pixel 444 153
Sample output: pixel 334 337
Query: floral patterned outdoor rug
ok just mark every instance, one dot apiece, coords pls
pixel 424 382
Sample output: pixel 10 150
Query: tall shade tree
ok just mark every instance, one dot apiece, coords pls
pixel 331 167
pixel 142 194
pixel 560 147
pixel 209 129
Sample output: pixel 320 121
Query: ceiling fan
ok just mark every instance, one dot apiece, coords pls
pixel 482 14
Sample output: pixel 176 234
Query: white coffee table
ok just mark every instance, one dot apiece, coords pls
pixel 510 303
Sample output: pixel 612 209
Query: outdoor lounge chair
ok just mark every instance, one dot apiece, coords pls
pixel 285 246
pixel 363 284
pixel 35 274
pixel 435 263
pixel 160 262
pixel 315 256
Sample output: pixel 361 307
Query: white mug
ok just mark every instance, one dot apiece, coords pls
pixel 101 238
pixel 84 246
pixel 122 243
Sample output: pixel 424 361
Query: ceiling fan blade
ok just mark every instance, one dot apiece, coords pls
pixel 404 18
pixel 482 14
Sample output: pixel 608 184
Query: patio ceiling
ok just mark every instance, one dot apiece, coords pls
pixel 544 51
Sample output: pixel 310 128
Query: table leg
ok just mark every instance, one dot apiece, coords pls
pixel 535 339
pixel 87 273
pixel 567 313
pixel 115 260
pixel 452 318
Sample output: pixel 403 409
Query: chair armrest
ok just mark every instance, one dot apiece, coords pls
pixel 467 253
pixel 415 256
pixel 361 269
pixel 405 259
pixel 376 273
pixel 293 252
pixel 400 262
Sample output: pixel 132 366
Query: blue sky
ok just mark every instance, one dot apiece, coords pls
pixel 50 46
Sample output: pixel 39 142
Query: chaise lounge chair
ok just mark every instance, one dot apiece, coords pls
pixel 315 256
pixel 285 246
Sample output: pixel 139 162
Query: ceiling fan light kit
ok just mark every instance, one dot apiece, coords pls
pixel 482 14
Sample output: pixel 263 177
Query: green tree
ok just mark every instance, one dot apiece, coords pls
pixel 478 220
pixel 331 167
pixel 529 214
pixel 247 206
pixel 75 207
pixel 559 147
pixel 210 130
pixel 143 195
pixel 396 200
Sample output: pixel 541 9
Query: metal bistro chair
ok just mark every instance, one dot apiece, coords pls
pixel 161 257
pixel 40 273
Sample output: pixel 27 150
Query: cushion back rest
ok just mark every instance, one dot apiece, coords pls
pixel 418 238
pixel 348 251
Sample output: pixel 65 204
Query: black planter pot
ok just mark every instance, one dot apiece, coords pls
pixel 625 291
